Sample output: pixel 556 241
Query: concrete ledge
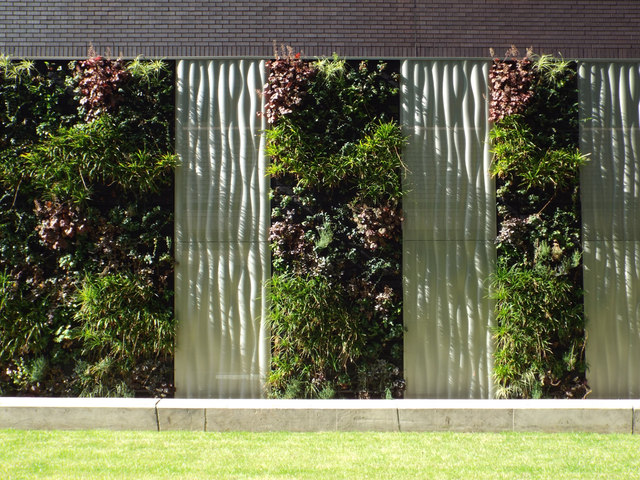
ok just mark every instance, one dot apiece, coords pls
pixel 602 416
pixel 599 416
pixel 636 417
pixel 78 413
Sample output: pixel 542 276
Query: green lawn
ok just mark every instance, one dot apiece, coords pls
pixel 153 455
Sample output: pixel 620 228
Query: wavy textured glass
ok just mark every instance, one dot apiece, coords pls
pixel 610 185
pixel 222 219
pixel 449 229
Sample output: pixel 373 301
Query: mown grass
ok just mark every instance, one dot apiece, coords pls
pixel 193 455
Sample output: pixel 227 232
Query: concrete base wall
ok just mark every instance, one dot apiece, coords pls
pixel 601 416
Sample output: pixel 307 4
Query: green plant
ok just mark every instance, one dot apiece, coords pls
pixel 15 70
pixel 70 163
pixel 336 228
pixel 122 321
pixel 553 70
pixel 517 157
pixel 538 286
pixel 372 166
pixel 57 454
pixel 148 71
pixel 539 333
pixel 83 200
pixel 315 340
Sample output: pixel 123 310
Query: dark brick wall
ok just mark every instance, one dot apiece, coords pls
pixel 365 28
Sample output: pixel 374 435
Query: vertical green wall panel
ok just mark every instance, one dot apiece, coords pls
pixel 222 221
pixel 449 229
pixel 610 186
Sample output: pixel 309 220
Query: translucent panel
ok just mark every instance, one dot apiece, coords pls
pixel 450 194
pixel 222 346
pixel 610 186
pixel 447 314
pixel 610 103
pixel 221 185
pixel 222 220
pixel 612 307
pixel 450 226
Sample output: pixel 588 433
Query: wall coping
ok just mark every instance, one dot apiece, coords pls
pixel 260 415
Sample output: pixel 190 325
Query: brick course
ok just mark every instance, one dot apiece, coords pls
pixel 364 28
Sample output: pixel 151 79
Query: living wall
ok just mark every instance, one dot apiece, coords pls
pixel 335 295
pixel 540 337
pixel 86 267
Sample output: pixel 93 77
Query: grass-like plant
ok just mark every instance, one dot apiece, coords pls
pixel 553 70
pixel 316 337
pixel 306 456
pixel 14 70
pixel 516 156
pixel 121 322
pixel 539 333
pixel 70 163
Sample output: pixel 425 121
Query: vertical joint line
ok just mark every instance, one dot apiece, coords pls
pixel 155 408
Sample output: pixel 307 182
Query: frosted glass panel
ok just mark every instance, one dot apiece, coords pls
pixel 449 229
pixel 222 344
pixel 450 194
pixel 222 183
pixel 448 343
pixel 222 221
pixel 610 113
